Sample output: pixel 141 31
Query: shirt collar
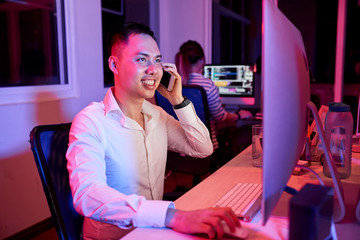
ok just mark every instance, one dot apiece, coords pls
pixel 111 105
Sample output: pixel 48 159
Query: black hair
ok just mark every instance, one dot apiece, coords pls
pixel 121 33
pixel 192 50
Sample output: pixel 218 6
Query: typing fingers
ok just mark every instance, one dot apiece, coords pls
pixel 207 221
pixel 228 216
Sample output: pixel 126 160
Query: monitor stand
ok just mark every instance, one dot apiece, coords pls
pixel 339 205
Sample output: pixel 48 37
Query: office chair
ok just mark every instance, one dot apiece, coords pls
pixel 178 162
pixel 49 144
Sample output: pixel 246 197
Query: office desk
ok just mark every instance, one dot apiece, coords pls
pixel 239 169
pixel 239 123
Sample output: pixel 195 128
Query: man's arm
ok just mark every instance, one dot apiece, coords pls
pixel 191 136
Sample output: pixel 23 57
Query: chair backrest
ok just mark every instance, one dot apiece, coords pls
pixel 49 144
pixel 197 95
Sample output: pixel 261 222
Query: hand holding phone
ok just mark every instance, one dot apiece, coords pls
pixel 167 80
pixel 170 83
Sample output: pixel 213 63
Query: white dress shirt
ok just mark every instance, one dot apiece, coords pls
pixel 117 168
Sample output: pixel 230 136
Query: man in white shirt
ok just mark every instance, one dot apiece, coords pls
pixel 118 147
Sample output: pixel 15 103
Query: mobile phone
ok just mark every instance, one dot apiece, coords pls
pixel 167 81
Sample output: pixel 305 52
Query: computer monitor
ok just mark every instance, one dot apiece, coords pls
pixel 235 83
pixel 286 87
pixel 286 99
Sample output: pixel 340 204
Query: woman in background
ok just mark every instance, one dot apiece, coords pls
pixel 190 61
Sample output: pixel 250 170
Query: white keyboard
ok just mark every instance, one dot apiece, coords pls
pixel 244 199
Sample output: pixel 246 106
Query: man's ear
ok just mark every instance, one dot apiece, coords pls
pixel 112 64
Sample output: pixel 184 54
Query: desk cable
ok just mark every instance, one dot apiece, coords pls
pixel 312 171
pixel 293 191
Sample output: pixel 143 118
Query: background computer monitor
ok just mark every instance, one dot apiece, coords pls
pixel 236 83
pixel 286 92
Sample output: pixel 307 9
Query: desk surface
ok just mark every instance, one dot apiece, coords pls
pixel 239 123
pixel 239 169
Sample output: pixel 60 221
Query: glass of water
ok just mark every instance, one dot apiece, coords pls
pixel 257 137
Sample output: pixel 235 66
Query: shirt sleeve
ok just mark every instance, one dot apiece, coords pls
pixel 92 197
pixel 189 135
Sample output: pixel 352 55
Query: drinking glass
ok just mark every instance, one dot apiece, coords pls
pixel 257 137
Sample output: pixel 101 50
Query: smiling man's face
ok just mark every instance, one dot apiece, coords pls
pixel 138 64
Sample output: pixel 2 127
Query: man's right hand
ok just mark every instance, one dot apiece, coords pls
pixel 206 221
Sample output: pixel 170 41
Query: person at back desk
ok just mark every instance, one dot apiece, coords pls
pixel 190 61
pixel 117 147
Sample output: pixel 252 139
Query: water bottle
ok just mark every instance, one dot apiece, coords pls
pixel 339 131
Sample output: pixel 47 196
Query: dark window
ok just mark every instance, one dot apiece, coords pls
pixel 325 42
pixel 31 43
pixel 352 50
pixel 231 29
pixel 115 12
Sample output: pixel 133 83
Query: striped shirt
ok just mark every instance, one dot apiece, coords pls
pixel 217 112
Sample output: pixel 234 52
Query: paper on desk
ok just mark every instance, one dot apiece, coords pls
pixel 275 228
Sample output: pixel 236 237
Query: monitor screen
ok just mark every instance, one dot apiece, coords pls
pixel 232 80
pixel 286 86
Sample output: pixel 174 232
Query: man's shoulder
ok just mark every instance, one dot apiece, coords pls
pixel 88 118
pixel 93 109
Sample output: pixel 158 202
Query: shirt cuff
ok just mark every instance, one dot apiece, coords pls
pixel 152 213
pixel 186 114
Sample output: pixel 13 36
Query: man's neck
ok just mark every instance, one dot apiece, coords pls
pixel 131 107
